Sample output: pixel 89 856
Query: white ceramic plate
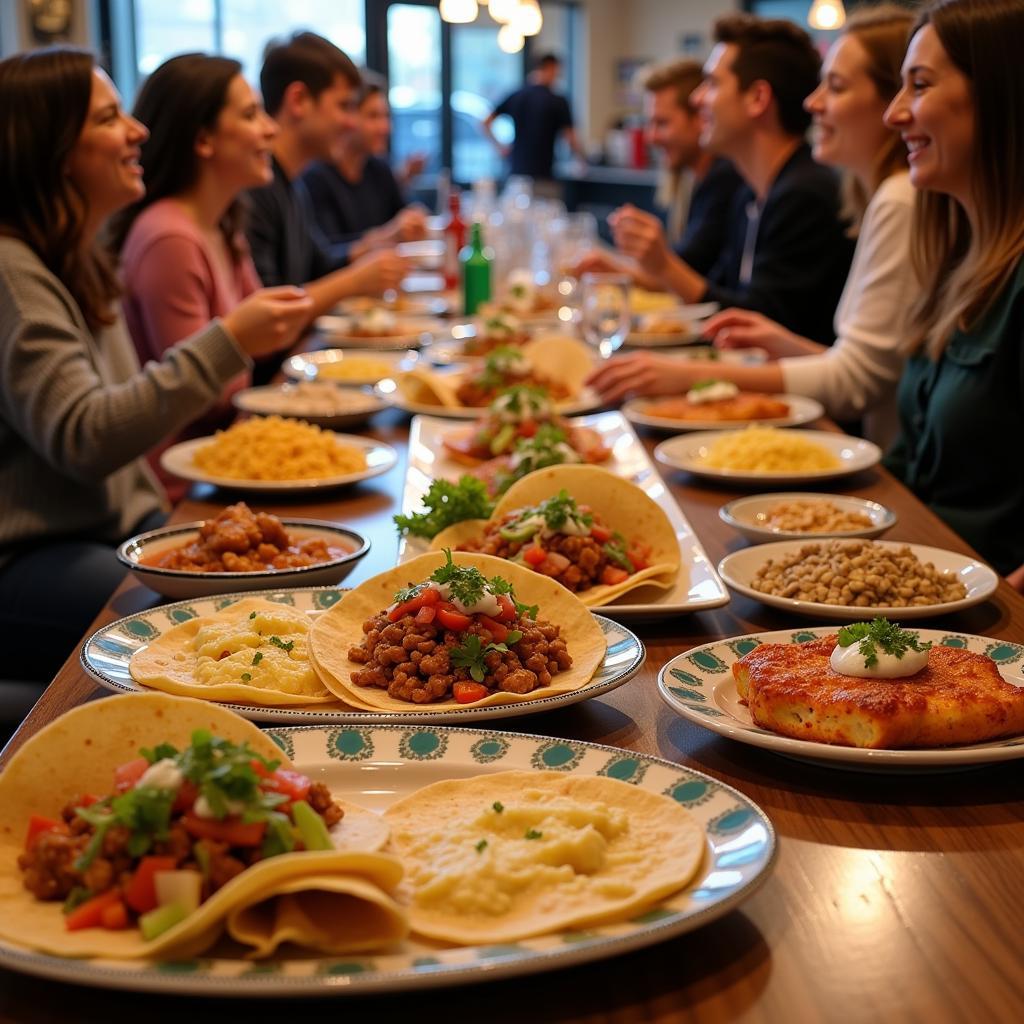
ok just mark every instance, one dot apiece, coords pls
pixel 308 365
pixel 747 515
pixel 106 654
pixel 388 391
pixel 177 583
pixel 415 331
pixel 351 406
pixel 377 765
pixel 801 410
pixel 407 306
pixel 687 452
pixel 380 457
pixel 697 585
pixel 699 685
pixel 738 570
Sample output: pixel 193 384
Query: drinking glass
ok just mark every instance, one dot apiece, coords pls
pixel 604 311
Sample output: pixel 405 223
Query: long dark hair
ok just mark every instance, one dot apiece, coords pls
pixel 183 97
pixel 44 103
pixel 964 271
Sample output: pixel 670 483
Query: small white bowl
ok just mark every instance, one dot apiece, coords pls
pixel 748 516
pixel 179 584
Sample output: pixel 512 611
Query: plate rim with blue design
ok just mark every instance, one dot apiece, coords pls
pixel 698 685
pixel 623 659
pixel 730 872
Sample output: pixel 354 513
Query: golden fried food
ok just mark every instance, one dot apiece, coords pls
pixel 813 516
pixel 744 406
pixel 959 697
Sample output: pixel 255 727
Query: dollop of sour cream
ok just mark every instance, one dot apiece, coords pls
pixel 719 391
pixel 848 661
pixel 377 319
pixel 162 774
pixel 521 291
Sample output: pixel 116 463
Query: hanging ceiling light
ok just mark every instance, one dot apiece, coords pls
pixel 510 39
pixel 527 18
pixel 503 11
pixel 826 15
pixel 459 12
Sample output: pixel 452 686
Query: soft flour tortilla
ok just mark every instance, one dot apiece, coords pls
pixel 601 850
pixel 341 627
pixel 621 505
pixel 169 663
pixel 554 356
pixel 78 753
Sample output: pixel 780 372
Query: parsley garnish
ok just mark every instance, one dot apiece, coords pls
pixel 252 615
pixel 498 806
pixel 546 448
pixel 615 551
pixel 285 645
pixel 466 583
pixel 532 833
pixel 882 633
pixel 246 677
pixel 526 611
pixel 257 657
pixel 446 503
pixel 472 653
pixel 159 752
pixel 481 846
pixel 500 364
pixel 702 384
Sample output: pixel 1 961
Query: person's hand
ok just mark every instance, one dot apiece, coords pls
pixel 740 328
pixel 413 166
pixel 640 235
pixel 411 224
pixel 376 273
pixel 645 373
pixel 597 261
pixel 269 319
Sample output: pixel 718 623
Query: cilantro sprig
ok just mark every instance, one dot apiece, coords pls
pixel 446 503
pixel 501 362
pixel 472 652
pixel 548 447
pixel 615 551
pixel 883 634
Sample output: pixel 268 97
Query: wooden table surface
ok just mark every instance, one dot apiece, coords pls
pixel 895 897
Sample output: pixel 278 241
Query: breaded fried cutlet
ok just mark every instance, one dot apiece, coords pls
pixel 958 698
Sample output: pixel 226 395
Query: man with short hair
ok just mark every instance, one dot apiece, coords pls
pixel 309 87
pixel 786 253
pixel 540 117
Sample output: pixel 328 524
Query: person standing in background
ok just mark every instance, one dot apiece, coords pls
pixel 786 254
pixel 354 201
pixel 540 117
pixel 309 88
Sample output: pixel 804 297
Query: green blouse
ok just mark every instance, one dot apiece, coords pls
pixel 962 422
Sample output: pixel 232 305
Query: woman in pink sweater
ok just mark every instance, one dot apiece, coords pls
pixel 184 258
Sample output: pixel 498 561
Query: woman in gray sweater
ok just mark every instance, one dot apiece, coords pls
pixel 76 411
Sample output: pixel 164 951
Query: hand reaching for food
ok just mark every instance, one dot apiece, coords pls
pixel 644 373
pixel 640 235
pixel 742 328
pixel 269 319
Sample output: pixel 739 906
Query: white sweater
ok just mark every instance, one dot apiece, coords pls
pixel 858 375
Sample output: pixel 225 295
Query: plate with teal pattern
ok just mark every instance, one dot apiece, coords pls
pixel 377 765
pixel 107 652
pixel 699 685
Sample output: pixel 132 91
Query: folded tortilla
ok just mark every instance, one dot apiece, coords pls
pixel 622 506
pixel 77 754
pixel 341 628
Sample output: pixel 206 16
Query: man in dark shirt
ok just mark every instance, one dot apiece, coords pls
pixel 354 202
pixel 540 116
pixel 308 87
pixel 786 253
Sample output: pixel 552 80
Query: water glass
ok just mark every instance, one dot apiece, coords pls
pixel 604 311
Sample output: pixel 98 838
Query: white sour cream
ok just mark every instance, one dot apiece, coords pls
pixel 717 392
pixel 162 774
pixel 520 407
pixel 202 808
pixel 521 291
pixel 848 661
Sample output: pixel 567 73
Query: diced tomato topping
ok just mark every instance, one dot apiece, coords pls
pixel 127 775
pixel 554 565
pixel 496 629
pixel 37 825
pixel 507 608
pixel 600 533
pixel 426 596
pixel 451 618
pixel 426 614
pixel 90 913
pixel 187 793
pixel 640 556
pixel 292 784
pixel 232 831
pixel 612 574
pixel 534 555
pixel 466 692
pixel 528 428
pixel 87 800
pixel 114 916
pixel 140 891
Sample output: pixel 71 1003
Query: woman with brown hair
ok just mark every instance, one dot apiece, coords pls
pixel 857 375
pixel 960 113
pixel 76 412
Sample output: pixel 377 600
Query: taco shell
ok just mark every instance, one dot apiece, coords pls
pixel 341 627
pixel 188 660
pixel 78 753
pixel 622 506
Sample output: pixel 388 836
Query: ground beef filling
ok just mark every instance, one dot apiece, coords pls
pixel 473 394
pixel 587 560
pixel 413 662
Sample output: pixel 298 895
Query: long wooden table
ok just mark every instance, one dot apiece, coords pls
pixel 895 897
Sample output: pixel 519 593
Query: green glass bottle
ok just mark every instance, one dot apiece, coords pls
pixel 476 263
